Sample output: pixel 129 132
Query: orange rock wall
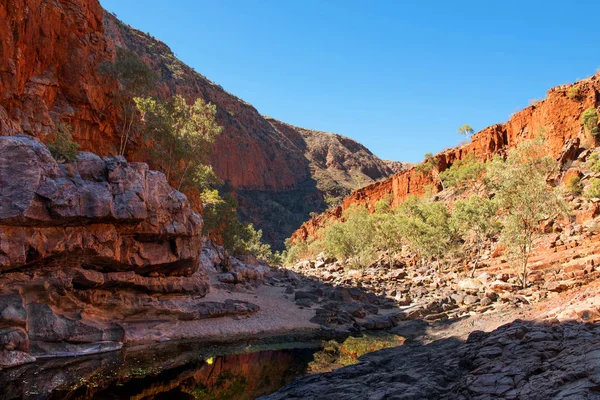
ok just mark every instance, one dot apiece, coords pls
pixel 49 57
pixel 558 117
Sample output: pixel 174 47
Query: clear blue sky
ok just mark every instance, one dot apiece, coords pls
pixel 398 76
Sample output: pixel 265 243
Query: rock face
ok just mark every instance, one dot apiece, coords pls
pixel 106 212
pixel 521 360
pixel 558 117
pixel 89 246
pixel 48 59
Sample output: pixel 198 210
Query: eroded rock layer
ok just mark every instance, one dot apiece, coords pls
pixel 88 246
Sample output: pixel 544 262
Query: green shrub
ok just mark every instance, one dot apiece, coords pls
pixel 463 174
pixel 573 185
pixel 574 92
pixel 63 148
pixel 426 227
pixel 353 239
pixel 593 191
pixel 475 220
pixel 593 162
pixel 589 119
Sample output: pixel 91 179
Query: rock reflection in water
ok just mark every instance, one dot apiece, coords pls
pixel 172 371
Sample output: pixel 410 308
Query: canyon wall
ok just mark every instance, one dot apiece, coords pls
pixel 558 118
pixel 50 53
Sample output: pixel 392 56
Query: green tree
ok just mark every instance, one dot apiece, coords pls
pixel 466 130
pixel 63 148
pixel 426 226
pixel 524 197
pixel 353 239
pixel 468 173
pixel 388 234
pixel 182 135
pixel 135 79
pixel 589 119
pixel 475 220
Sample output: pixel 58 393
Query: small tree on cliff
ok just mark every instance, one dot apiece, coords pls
pixel 466 130
pixel 430 166
pixel 135 79
pixel 63 148
pixel 524 197
pixel 182 135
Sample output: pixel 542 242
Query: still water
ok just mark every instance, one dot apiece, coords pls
pixel 187 371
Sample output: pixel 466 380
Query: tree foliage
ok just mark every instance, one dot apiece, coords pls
pixel 475 220
pixel 182 135
pixel 353 239
pixel 589 119
pixel 464 174
pixel 63 148
pixel 524 197
pixel 466 130
pixel 426 226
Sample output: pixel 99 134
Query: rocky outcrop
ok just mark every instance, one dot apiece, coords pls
pixel 558 118
pixel 89 246
pixel 521 360
pixel 108 213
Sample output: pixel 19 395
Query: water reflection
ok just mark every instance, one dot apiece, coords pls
pixel 173 371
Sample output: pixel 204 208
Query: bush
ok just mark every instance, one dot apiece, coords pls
pixel 426 227
pixel 593 191
pixel 475 220
pixel 574 92
pixel 353 239
pixel 593 162
pixel 182 136
pixel 463 174
pixel 573 185
pixel 63 148
pixel 589 119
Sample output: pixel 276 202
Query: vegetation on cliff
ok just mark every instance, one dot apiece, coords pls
pixel 504 200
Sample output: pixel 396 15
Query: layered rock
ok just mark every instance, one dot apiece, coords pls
pixel 107 212
pixel 89 246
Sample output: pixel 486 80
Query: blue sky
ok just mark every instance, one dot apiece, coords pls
pixel 398 76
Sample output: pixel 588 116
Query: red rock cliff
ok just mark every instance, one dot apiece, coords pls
pixel 558 117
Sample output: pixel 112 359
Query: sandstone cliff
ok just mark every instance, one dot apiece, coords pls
pixel 558 118
pixel 50 53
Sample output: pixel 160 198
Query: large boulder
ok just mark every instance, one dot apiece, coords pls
pixel 106 213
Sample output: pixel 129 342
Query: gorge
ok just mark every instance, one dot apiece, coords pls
pixel 109 287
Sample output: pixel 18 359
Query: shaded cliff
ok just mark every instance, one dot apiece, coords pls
pixel 558 118
pixel 337 166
